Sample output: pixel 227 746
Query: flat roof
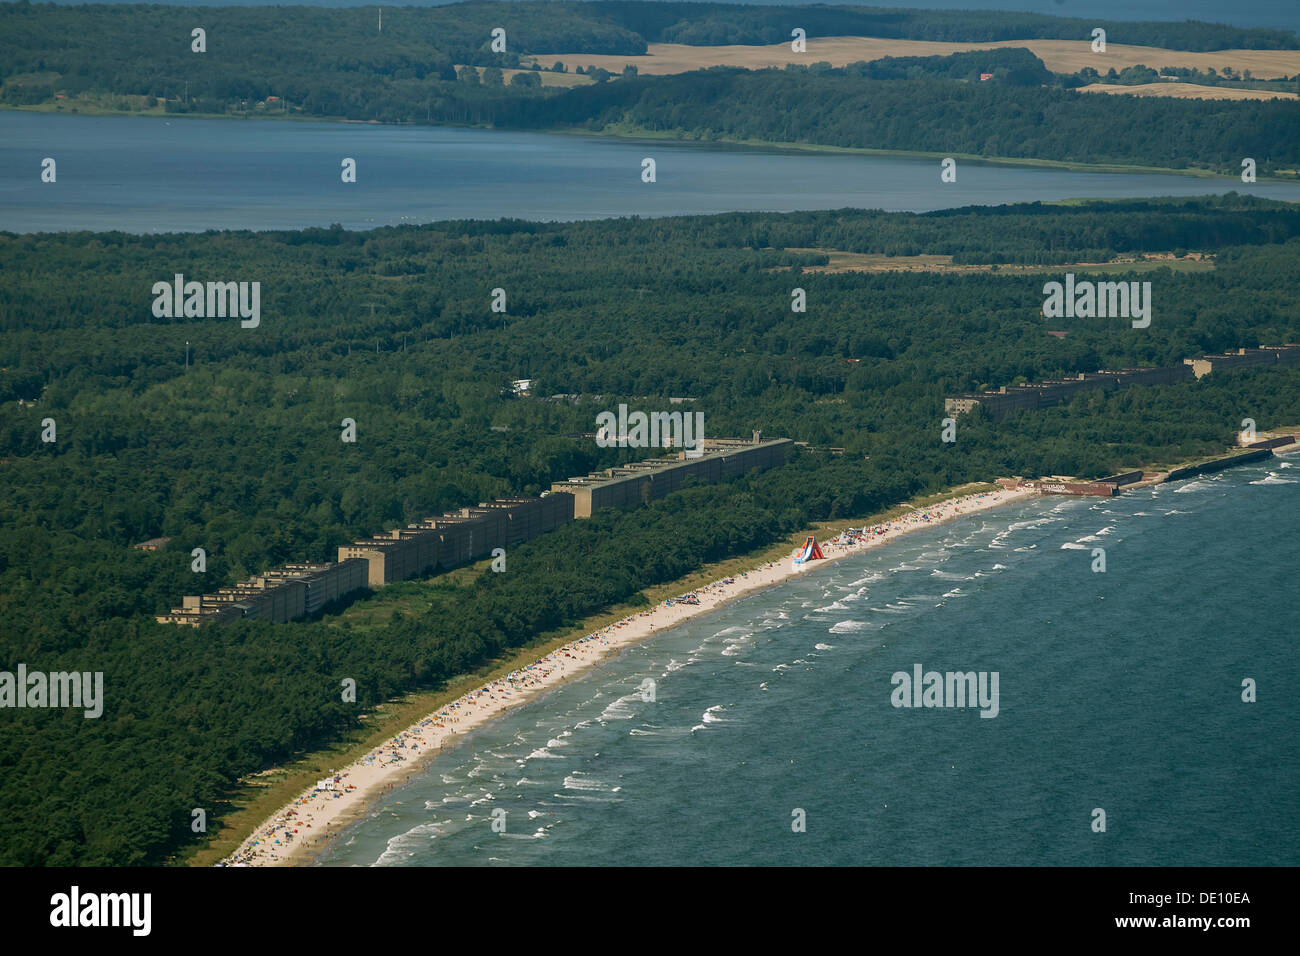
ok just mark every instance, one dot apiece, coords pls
pixel 638 469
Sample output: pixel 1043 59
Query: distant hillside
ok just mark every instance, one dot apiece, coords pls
pixel 336 63
pixel 841 108
pixel 716 24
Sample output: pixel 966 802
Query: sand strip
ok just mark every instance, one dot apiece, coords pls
pixel 308 823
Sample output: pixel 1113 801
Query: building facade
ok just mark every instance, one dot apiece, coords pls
pixel 1033 395
pixel 468 534
pixel 644 481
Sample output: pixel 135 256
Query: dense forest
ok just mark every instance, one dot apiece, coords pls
pixel 715 24
pixel 237 449
pixel 334 63
pixel 837 108
pixel 1014 65
pixel 75 39
pixel 1134 75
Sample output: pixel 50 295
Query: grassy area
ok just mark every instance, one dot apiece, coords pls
pixel 106 106
pixel 262 794
pixel 1278 432
pixel 1187 91
pixel 95 106
pixel 878 262
pixel 1059 56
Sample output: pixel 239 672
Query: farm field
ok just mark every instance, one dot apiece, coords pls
pixel 1187 91
pixel 875 262
pixel 1060 56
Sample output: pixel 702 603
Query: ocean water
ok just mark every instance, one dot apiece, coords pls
pixel 150 174
pixel 1119 690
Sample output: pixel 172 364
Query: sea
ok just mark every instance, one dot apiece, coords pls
pixel 1145 713
pixel 161 174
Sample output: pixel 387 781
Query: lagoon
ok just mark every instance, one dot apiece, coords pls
pixel 156 174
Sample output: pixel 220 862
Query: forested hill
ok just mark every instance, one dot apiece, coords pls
pixel 333 63
pixel 69 36
pixel 239 450
pixel 131 48
pixel 839 108
pixel 717 24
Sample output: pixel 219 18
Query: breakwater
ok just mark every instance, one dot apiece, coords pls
pixel 1218 464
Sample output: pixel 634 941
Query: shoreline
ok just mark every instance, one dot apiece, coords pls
pixel 318 815
pixel 675 138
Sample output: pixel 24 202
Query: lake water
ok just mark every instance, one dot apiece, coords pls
pixel 1120 691
pixel 149 174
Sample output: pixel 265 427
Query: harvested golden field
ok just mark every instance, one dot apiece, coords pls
pixel 1061 56
pixel 1187 91
pixel 876 262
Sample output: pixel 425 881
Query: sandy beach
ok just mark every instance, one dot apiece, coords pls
pixel 306 825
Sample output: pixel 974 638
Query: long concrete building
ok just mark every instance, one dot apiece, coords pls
pixel 649 480
pixel 1033 395
pixel 447 541
pixel 450 540
pixel 279 595
pixel 453 539
pixel 1265 355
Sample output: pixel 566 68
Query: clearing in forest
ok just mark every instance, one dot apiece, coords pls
pixel 877 262
pixel 1060 56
